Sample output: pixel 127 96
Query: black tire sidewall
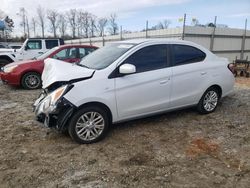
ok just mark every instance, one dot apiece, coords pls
pixel 200 106
pixel 4 62
pixel 76 116
pixel 28 74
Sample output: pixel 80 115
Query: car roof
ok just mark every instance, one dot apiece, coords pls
pixel 153 40
pixel 76 45
pixel 162 41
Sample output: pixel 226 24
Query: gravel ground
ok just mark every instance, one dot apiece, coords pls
pixel 178 149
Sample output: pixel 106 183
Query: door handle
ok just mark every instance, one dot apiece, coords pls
pixel 203 73
pixel 163 81
pixel 40 52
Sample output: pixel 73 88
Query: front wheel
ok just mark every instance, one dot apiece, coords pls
pixel 89 125
pixel 31 80
pixel 209 101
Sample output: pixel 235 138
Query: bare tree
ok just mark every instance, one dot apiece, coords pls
pixel 162 25
pixel 72 18
pixel 113 29
pixel 28 26
pixel 195 22
pixel 101 24
pixel 33 26
pixel 22 14
pixel 92 19
pixel 86 23
pixel 62 24
pixel 85 18
pixel 52 16
pixel 166 23
pixel 79 23
pixel 41 18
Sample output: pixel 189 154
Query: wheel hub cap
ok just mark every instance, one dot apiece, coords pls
pixel 32 81
pixel 210 101
pixel 89 126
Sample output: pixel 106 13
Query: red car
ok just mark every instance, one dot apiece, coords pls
pixel 28 73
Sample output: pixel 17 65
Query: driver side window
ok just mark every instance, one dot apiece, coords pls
pixel 149 58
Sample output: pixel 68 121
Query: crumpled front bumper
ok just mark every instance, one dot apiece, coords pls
pixel 57 116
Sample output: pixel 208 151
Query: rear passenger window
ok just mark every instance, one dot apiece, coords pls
pixel 149 58
pixel 51 43
pixel 184 54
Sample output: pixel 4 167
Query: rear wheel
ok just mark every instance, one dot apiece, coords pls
pixel 209 101
pixel 89 125
pixel 31 80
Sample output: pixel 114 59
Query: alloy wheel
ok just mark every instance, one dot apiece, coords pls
pixel 210 101
pixel 90 126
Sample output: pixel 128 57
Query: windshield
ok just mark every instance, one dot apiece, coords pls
pixel 46 54
pixel 105 56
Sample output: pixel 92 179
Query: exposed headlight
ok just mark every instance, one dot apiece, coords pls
pixel 49 103
pixel 10 68
pixel 56 95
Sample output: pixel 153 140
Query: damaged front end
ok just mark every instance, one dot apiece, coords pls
pixel 52 109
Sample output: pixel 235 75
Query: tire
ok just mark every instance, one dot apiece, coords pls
pixel 4 62
pixel 209 101
pixel 82 128
pixel 31 80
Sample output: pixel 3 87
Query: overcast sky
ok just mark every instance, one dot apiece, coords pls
pixel 132 15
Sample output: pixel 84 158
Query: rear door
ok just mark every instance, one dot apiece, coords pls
pixel 189 74
pixel 147 90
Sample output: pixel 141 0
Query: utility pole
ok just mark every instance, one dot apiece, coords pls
pixel 147 29
pixel 213 33
pixel 243 41
pixel 120 32
pixel 184 25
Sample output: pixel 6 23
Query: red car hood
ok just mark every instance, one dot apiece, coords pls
pixel 23 62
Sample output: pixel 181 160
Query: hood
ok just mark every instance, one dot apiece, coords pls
pixel 60 71
pixel 6 50
pixel 22 62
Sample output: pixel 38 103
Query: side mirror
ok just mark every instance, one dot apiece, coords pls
pixel 127 69
pixel 26 48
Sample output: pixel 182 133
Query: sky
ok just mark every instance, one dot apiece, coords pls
pixel 132 15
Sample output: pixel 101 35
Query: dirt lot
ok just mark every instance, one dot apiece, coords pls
pixel 178 149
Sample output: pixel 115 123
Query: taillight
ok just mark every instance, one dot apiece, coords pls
pixel 231 67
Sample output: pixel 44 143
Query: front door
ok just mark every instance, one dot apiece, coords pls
pixel 147 90
pixel 68 55
pixel 32 49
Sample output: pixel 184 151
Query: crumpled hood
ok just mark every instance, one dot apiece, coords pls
pixel 60 71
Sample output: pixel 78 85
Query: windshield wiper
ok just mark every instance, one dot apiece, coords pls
pixel 79 64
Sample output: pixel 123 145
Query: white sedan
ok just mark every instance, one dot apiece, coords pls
pixel 128 80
